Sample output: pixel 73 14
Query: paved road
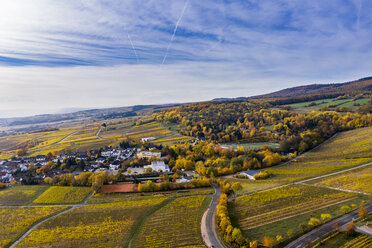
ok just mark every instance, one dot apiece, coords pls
pixel 49 218
pixel 364 230
pixel 208 228
pixel 323 230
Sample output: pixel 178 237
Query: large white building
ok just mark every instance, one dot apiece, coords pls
pixel 159 166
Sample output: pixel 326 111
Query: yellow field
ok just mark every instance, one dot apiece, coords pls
pixel 15 221
pixel 346 150
pixel 175 225
pixel 80 138
pixel 63 195
pixel 360 181
pixel 272 205
pixel 154 129
pixel 20 195
pixel 98 225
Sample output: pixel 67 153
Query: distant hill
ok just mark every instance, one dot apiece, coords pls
pixel 363 85
pixel 106 113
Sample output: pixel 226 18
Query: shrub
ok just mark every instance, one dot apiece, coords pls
pixel 268 242
pixel 279 238
pixel 262 175
pixel 325 217
pixel 345 209
pixel 303 227
pixel 290 233
pixel 253 244
pixel 314 222
pixel 2 185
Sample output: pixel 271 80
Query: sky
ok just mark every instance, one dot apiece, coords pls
pixel 71 54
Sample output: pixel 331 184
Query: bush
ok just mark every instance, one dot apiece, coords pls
pixel 325 217
pixel 2 185
pixel 290 233
pixel 314 222
pixel 345 209
pixel 268 242
pixel 262 175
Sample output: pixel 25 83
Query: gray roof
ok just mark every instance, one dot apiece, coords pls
pixel 250 172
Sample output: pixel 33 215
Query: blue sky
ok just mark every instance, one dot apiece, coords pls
pixel 84 54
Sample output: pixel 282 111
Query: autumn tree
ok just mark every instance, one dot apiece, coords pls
pixel 362 212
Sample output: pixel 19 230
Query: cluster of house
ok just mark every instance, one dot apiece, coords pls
pixel 115 156
pixel 109 160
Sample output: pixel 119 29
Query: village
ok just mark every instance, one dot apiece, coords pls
pixel 17 169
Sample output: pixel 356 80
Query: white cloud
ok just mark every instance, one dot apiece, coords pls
pixel 221 49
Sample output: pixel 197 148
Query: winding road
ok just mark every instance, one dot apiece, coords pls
pixel 208 229
pixel 323 230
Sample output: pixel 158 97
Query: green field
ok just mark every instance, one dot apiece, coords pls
pixel 98 225
pixel 15 221
pixel 20 195
pixel 346 150
pixel 63 195
pixel 303 107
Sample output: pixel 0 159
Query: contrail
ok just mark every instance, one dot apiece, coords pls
pixel 134 50
pixel 175 30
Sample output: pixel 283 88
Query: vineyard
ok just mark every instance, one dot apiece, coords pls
pixel 361 241
pixel 346 150
pixel 360 181
pixel 153 129
pixel 20 195
pixel 175 225
pixel 99 225
pixel 15 221
pixel 106 198
pixel 63 195
pixel 270 206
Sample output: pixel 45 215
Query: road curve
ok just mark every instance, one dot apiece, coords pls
pixel 208 229
pixel 323 230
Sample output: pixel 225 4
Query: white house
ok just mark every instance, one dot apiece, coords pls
pixel 182 180
pixel 158 166
pixel 250 174
pixel 147 139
